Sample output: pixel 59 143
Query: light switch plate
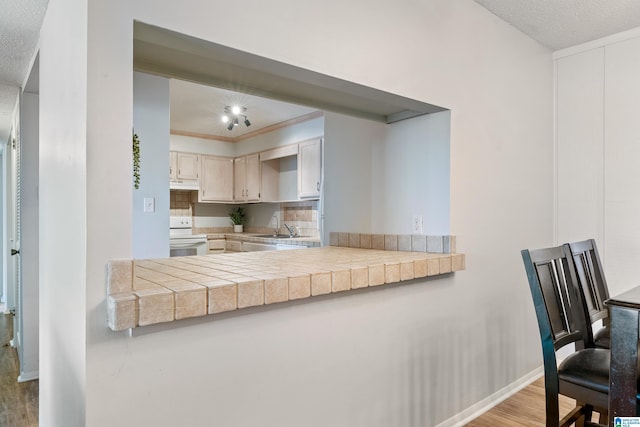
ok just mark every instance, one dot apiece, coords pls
pixel 149 204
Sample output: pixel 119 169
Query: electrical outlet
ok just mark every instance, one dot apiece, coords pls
pixel 416 224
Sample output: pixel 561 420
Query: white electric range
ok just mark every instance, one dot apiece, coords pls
pixel 182 241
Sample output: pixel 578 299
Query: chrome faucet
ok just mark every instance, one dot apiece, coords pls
pixel 276 230
pixel 291 230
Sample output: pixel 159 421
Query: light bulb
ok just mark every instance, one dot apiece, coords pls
pixel 235 110
pixel 225 118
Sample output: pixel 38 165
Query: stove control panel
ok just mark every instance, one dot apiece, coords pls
pixel 180 222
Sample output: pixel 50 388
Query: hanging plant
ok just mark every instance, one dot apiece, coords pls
pixel 136 161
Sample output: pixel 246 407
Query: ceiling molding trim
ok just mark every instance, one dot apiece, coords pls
pixel 202 135
pixel 286 123
pixel 281 125
pixel 598 43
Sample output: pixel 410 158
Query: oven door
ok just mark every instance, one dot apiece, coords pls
pixel 187 246
pixel 189 251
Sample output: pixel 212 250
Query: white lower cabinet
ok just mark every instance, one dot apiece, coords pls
pixel 216 245
pixel 233 246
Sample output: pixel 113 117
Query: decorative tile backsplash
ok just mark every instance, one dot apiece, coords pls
pixel 395 242
pixel 297 213
pixel 180 203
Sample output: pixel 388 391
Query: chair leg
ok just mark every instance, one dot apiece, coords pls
pixel 575 417
pixel 604 417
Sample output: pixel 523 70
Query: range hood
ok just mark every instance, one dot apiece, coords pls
pixel 184 185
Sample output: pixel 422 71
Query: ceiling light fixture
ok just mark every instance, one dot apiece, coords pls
pixel 235 112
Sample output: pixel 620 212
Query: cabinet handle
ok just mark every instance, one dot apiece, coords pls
pixel 318 186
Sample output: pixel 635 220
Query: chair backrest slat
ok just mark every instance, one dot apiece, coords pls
pixel 591 277
pixel 554 287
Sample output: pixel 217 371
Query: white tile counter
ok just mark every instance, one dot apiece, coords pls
pixel 145 292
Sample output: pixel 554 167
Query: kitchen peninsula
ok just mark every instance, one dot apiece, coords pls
pixel 145 292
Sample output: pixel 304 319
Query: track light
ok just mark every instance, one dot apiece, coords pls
pixel 231 115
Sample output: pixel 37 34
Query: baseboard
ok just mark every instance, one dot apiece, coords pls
pixel 489 402
pixel 28 376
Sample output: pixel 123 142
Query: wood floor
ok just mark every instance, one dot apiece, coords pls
pixel 18 401
pixel 523 409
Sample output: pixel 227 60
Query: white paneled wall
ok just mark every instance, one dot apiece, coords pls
pixel 579 130
pixel 622 158
pixel 598 149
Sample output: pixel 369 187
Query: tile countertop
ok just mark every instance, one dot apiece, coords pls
pixel 145 292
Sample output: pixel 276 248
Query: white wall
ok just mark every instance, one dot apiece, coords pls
pixel 410 176
pixel 67 174
pixel 580 135
pixel 598 95
pixel 411 355
pixel 28 311
pixel 151 124
pixel 347 170
pixel 293 134
pixel 190 144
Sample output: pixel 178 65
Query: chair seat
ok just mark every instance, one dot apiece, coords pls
pixel 602 337
pixel 588 368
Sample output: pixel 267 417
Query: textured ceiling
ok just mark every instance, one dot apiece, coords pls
pixel 20 22
pixel 558 24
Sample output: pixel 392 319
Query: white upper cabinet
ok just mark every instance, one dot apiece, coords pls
pixel 286 173
pixel 173 165
pixel 246 172
pixel 309 168
pixel 184 166
pixel 216 183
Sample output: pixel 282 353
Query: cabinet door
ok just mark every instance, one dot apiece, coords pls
pixel 216 183
pixel 173 165
pixel 252 178
pixel 187 166
pixel 233 246
pixel 239 179
pixel 309 168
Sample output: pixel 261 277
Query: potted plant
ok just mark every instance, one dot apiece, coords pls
pixel 237 219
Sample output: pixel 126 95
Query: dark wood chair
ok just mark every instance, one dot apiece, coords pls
pixel 590 275
pixel 562 320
